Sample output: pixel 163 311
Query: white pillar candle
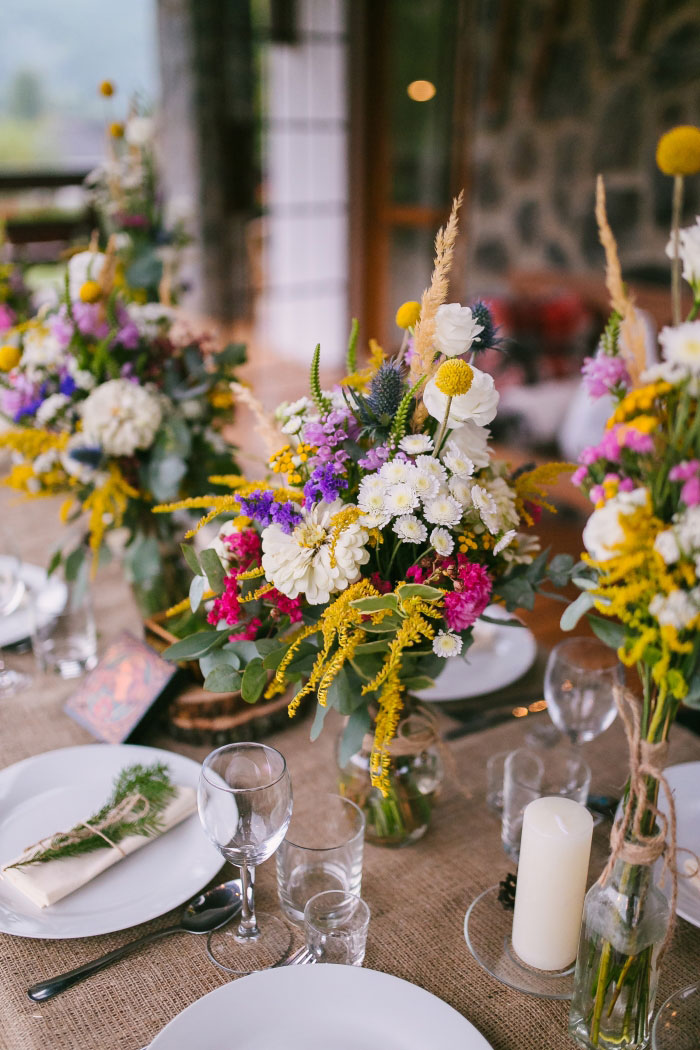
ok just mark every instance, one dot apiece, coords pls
pixel 554 853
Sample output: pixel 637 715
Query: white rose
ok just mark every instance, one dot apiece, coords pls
pixel 138 131
pixel 472 441
pixel 689 251
pixel 121 416
pixel 455 329
pixel 603 532
pixel 479 405
pixel 85 266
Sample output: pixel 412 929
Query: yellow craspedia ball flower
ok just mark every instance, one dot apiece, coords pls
pixel 90 292
pixel 454 377
pixel 9 357
pixel 116 130
pixel 678 151
pixel 107 88
pixel 407 314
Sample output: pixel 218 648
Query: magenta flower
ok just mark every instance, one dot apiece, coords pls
pixel 464 607
pixel 684 471
pixel 690 493
pixel 7 317
pixel 603 373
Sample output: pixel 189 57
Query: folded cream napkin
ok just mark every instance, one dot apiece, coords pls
pixel 48 882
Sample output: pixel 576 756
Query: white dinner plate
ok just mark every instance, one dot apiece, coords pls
pixel 49 594
pixel 684 780
pixel 322 1007
pixel 52 792
pixel 498 656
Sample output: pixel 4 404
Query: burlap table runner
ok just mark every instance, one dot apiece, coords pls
pixel 418 895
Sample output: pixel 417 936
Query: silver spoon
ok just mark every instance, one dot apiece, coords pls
pixel 204 913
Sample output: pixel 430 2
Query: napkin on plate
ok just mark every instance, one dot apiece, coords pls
pixel 45 883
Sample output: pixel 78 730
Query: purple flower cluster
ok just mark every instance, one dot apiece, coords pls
pixel 689 472
pixel 265 509
pixel 22 398
pixel 325 483
pixel 375 458
pixel 603 373
pixel 329 435
pixel 90 321
pixel 614 440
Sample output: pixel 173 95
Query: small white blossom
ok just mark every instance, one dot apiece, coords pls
pixel 441 540
pixel 414 444
pixel 401 499
pixel 45 461
pixel 689 251
pixel 192 408
pixel 603 533
pixel 371 497
pixel 472 441
pixel 487 508
pixel 677 609
pixel 446 644
pixel 139 131
pixel 461 489
pixel 293 425
pixel 666 545
pixel 425 485
pixel 681 345
pixel 49 409
pixel 432 466
pixel 522 550
pixel 410 529
pixel 445 510
pixel 457 462
pixel 395 471
pixel 505 541
pixel 221 547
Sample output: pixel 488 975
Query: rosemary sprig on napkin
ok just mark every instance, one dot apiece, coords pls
pixel 135 807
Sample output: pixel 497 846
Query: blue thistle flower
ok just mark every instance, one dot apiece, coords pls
pixel 488 339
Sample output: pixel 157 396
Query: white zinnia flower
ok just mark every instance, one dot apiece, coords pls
pixel 522 550
pixel 138 131
pixel 446 644
pixel 50 408
pixel 300 562
pixel 445 510
pixel 505 541
pixel 410 529
pixel 394 471
pixel 603 532
pixel 478 405
pixel 414 444
pixel 425 485
pixel 371 498
pixel 82 267
pixel 487 508
pixel 681 345
pixel 461 489
pixel 666 545
pixel 689 251
pixel 456 461
pixel 472 441
pixel 431 466
pixel 121 417
pixel 677 609
pixel 401 499
pixel 441 540
pixel 455 329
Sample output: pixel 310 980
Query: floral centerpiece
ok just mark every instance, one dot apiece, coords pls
pixel 381 534
pixel 126 193
pixel 116 406
pixel 641 577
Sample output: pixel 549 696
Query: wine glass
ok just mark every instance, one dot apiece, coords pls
pixel 245 805
pixel 12 590
pixel 677 1024
pixel 579 686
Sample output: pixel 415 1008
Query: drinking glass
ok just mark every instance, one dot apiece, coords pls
pixel 245 804
pixel 529 775
pixel 322 850
pixel 66 642
pixel 579 687
pixel 12 590
pixel 335 924
pixel 677 1024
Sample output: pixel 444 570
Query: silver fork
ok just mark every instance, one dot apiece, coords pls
pixel 301 957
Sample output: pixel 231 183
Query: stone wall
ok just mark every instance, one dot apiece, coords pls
pixel 564 89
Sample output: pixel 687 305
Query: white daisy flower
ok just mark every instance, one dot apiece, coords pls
pixel 487 508
pixel 432 466
pixel 681 345
pixel 505 541
pixel 425 485
pixel 401 499
pixel 371 499
pixel 300 562
pixel 677 609
pixel 293 425
pixel 50 408
pixel 414 444
pixel 395 471
pixel 441 540
pixel 461 489
pixel 457 462
pixel 446 644
pixel 410 529
pixel 445 510
pixel 522 550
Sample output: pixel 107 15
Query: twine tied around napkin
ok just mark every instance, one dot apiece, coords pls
pixel 130 810
pixel 646 760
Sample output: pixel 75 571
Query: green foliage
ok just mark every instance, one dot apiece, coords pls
pixel 322 403
pixel 191 558
pixel 223 679
pixel 358 725
pixel 231 356
pixel 195 645
pixel 254 681
pixel 609 631
pixel 573 613
pixel 400 422
pixel 215 572
pixel 351 358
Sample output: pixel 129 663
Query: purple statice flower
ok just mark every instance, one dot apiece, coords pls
pixel 22 398
pixel 262 506
pixel 90 320
pixel 61 327
pixel 603 373
pixel 374 458
pixel 128 335
pixel 684 471
pixel 325 483
pixel 286 515
pixel 67 385
pixel 329 433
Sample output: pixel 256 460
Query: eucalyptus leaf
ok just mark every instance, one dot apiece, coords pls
pixel 572 615
pixel 254 681
pixel 197 587
pixel 609 631
pixel 418 682
pixel 232 355
pixel 585 583
pixel 164 474
pixel 358 725
pixel 224 657
pixel 272 660
pixel 223 680
pixel 72 564
pixel 196 645
pixel 191 558
pixel 55 562
pixel 419 590
pixel 216 574
pixel 319 719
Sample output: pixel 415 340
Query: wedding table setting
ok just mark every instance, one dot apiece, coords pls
pixel 476 828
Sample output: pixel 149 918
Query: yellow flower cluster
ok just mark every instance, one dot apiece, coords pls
pixel 454 377
pixel 678 151
pixel 470 540
pixel 639 402
pixel 407 314
pixel 9 357
pixel 344 518
pixel 288 460
pixel 530 487
pixel 108 503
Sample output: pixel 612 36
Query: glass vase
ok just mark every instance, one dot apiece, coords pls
pixel 624 926
pixel 415 775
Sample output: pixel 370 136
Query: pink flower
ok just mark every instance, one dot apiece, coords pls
pixel 7 317
pixel 690 493
pixel 597 493
pixel 383 586
pixel 635 440
pixel 603 373
pixel 464 607
pixel 684 471
pixel 415 573
pixel 249 632
pixel 579 476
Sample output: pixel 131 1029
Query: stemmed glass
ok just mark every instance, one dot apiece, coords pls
pixel 579 685
pixel 677 1024
pixel 12 589
pixel 245 805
